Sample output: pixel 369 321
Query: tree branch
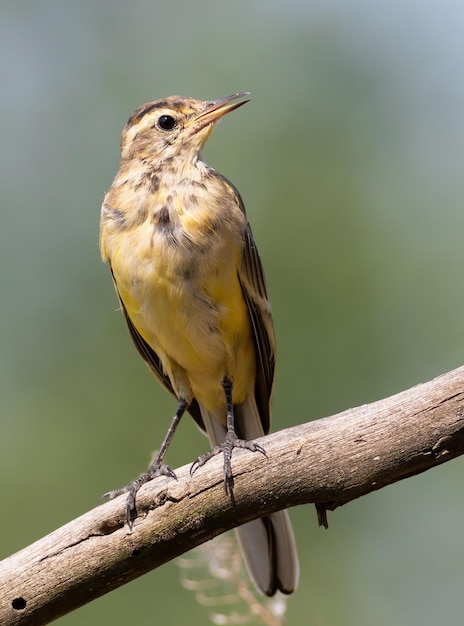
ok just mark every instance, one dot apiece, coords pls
pixel 328 462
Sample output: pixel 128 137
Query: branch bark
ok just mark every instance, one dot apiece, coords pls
pixel 328 462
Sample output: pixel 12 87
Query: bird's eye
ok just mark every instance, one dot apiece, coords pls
pixel 166 122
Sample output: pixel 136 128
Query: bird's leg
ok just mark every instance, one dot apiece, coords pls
pixel 231 441
pixel 157 468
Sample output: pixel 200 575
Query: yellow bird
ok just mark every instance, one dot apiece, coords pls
pixel 191 286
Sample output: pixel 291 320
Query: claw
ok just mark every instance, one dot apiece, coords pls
pixel 230 442
pixel 114 493
pixel 133 487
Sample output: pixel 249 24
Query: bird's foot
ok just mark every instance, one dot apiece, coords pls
pixel 230 442
pixel 132 488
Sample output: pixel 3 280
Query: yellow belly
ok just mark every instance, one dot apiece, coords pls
pixel 191 311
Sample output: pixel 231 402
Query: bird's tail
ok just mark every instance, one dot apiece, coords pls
pixel 267 544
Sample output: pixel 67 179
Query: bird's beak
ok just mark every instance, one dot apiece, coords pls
pixel 215 109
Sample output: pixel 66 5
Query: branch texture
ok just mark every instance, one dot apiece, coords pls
pixel 328 462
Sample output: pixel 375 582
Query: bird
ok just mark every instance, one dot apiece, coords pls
pixel 191 287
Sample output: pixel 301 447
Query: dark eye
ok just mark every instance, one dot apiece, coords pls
pixel 166 122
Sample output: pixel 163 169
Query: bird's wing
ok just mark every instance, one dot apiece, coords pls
pixel 253 283
pixel 153 361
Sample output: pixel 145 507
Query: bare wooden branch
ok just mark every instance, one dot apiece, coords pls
pixel 328 462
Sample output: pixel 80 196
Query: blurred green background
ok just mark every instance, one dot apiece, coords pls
pixel 349 159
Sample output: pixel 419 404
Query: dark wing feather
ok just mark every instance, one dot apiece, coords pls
pixel 153 361
pixel 253 283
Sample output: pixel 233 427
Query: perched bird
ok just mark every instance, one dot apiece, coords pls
pixel 191 286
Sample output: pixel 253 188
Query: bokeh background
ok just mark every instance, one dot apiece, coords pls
pixel 349 158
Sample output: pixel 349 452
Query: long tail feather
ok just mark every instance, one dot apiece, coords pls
pixel 267 544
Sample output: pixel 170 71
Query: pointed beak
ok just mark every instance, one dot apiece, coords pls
pixel 215 109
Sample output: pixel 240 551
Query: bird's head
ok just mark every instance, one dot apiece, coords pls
pixel 174 128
